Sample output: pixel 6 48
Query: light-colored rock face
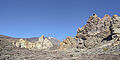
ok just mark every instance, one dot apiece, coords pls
pixel 21 43
pixel 96 25
pixel 116 30
pixel 116 27
pixel 42 43
pixel 24 44
pixel 68 43
pixel 116 23
pixel 95 32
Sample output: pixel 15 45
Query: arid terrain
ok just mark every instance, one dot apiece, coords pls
pixel 99 39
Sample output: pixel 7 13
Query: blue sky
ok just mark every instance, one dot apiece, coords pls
pixel 56 18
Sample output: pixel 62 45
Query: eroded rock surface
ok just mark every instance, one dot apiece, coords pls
pixel 68 43
pixel 96 32
pixel 42 43
pixel 116 27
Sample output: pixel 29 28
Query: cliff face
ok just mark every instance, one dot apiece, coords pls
pixel 95 32
pixel 116 27
pixel 96 27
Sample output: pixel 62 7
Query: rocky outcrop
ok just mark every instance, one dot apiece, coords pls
pixel 95 32
pixel 42 43
pixel 116 27
pixel 55 42
pixel 68 43
pixel 96 26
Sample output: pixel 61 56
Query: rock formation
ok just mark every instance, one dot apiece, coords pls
pixel 68 43
pixel 95 32
pixel 99 39
pixel 116 27
pixel 42 43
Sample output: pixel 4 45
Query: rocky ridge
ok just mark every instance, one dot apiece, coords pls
pixel 41 43
pixel 37 43
pixel 97 32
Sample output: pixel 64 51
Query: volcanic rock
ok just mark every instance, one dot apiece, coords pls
pixel 42 43
pixel 95 32
pixel 68 43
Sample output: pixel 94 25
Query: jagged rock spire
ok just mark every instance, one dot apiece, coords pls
pixel 93 18
pixel 94 15
pixel 42 37
pixel 78 30
pixel 69 38
pixel 115 15
pixel 106 15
